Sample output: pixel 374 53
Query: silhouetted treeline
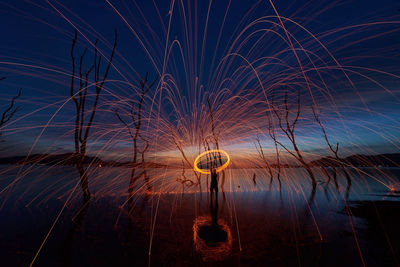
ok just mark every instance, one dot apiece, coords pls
pixel 387 160
pixel 70 159
pixel 50 159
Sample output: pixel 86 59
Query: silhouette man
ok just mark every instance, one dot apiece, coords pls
pixel 214 181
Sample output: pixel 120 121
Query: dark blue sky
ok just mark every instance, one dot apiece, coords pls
pixel 36 33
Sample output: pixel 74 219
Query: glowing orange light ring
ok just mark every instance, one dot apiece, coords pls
pixel 220 168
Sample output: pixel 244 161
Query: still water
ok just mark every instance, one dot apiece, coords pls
pixel 170 221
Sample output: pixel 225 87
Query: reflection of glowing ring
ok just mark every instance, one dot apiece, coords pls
pixel 217 251
pixel 220 168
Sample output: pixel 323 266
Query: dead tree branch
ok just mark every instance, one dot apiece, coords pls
pixel 261 154
pixel 334 150
pixel 287 126
pixel 10 111
pixel 272 134
pixel 135 115
pixel 79 96
pixel 215 139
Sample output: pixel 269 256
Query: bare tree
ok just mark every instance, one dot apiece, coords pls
pixel 215 136
pixel 185 159
pixel 135 131
pixel 184 180
pixel 287 126
pixel 335 152
pixel 272 134
pixel 261 154
pixel 79 97
pixel 10 111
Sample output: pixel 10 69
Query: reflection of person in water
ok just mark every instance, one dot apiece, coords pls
pixel 214 181
pixel 214 187
pixel 214 209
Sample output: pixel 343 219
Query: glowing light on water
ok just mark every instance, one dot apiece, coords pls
pixel 212 251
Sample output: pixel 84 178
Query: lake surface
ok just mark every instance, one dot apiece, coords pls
pixel 170 221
